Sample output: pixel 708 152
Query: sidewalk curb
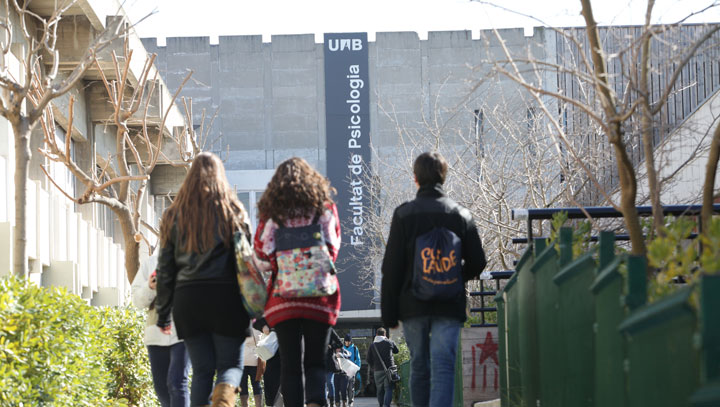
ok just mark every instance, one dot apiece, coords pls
pixel 491 403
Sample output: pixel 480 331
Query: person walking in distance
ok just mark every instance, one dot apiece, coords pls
pixel 355 358
pixel 271 377
pixel 300 197
pixel 380 358
pixel 251 364
pixel 197 283
pixel 432 250
pixel 169 360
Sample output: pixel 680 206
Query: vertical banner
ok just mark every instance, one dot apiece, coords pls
pixel 347 118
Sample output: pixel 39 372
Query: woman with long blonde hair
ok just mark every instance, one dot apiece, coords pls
pixel 196 280
pixel 297 196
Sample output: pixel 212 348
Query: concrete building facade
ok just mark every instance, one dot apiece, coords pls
pixel 268 100
pixel 79 247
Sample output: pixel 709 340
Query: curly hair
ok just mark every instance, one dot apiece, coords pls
pixel 205 207
pixel 295 190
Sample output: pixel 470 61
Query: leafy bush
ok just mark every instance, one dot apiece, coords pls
pixel 675 257
pixel 404 352
pixel 127 361
pixel 56 350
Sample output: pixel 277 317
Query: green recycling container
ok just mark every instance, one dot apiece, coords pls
pixel 514 384
pixel 527 333
pixel 502 347
pixel 663 363
pixel 548 326
pixel 609 342
pixel 576 313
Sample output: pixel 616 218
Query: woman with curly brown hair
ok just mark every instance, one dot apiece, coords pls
pixel 298 196
pixel 196 280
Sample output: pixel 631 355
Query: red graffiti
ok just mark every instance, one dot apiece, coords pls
pixel 488 352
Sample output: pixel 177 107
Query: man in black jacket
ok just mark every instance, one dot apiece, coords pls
pixel 380 358
pixel 432 250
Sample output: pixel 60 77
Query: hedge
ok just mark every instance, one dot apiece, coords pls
pixel 56 350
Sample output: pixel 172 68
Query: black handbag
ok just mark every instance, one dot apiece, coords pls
pixel 392 373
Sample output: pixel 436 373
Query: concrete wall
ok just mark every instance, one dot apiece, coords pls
pixel 270 97
pixel 75 246
pixel 684 155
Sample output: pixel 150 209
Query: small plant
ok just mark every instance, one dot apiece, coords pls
pixel 580 236
pixel 127 361
pixel 404 352
pixel 710 257
pixel 673 255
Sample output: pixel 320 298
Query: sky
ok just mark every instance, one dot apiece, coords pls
pixel 212 18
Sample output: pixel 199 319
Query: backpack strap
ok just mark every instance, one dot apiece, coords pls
pixel 314 221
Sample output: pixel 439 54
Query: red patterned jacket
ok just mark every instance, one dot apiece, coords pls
pixel 278 309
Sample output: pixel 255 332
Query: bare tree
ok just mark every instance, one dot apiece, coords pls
pixel 121 183
pixel 507 159
pixel 40 60
pixel 624 78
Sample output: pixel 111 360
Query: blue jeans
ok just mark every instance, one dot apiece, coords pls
pixel 383 388
pixel 330 387
pixel 211 354
pixel 433 343
pixel 170 366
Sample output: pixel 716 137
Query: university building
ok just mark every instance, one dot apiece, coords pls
pixel 346 104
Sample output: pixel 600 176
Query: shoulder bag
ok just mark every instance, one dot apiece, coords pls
pixel 251 282
pixel 391 372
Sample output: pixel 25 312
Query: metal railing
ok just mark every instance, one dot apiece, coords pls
pixel 595 212
pixel 487 292
pixel 599 212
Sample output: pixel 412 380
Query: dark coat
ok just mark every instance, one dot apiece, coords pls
pixel 431 207
pixel 200 289
pixel 385 348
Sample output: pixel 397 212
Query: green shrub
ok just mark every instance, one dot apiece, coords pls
pixel 127 361
pixel 56 350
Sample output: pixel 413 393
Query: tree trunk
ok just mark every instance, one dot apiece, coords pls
pixel 628 194
pixel 646 129
pixel 709 184
pixel 22 164
pixel 132 248
pixel 652 177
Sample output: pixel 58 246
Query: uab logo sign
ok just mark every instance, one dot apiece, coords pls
pixel 341 44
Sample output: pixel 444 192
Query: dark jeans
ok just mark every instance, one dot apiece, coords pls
pixel 170 366
pixel 351 389
pixel 341 387
pixel 271 379
pixel 383 387
pixel 211 353
pixel 315 335
pixel 249 372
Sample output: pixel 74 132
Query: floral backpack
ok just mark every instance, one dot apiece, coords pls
pixel 305 268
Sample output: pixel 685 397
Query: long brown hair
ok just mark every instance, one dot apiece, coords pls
pixel 295 190
pixel 205 208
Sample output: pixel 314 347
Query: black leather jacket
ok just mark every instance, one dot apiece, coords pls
pixel 177 268
pixel 411 219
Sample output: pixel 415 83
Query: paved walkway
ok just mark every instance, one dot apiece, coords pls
pixel 365 402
